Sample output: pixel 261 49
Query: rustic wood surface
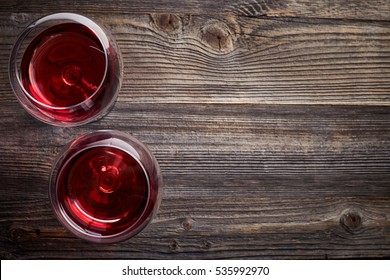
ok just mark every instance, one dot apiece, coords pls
pixel 270 121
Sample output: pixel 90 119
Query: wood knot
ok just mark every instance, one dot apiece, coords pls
pixel 188 224
pixel 206 245
pixel 174 245
pixel 20 18
pixel 217 35
pixel 22 235
pixel 351 221
pixel 167 22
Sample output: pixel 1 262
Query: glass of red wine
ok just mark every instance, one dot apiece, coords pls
pixel 66 70
pixel 105 186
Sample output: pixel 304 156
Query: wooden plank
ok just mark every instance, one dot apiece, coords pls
pixel 241 181
pixel 336 9
pixel 202 59
pixel 247 140
pixel 191 228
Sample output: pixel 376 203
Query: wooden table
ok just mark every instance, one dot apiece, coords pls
pixel 270 120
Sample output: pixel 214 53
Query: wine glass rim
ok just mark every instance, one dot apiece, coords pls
pixel 68 17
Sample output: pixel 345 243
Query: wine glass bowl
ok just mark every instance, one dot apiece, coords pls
pixel 66 70
pixel 105 186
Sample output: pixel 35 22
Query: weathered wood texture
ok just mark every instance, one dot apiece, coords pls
pixel 336 9
pixel 270 120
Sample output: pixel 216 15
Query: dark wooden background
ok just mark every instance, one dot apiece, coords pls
pixel 270 120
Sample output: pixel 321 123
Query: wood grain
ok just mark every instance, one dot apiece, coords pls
pixel 270 121
pixel 335 9
pixel 241 181
pixel 202 59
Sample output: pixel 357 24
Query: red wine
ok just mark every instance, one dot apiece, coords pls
pixel 104 190
pixel 66 70
pixel 105 186
pixel 62 67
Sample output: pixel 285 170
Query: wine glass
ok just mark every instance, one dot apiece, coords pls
pixel 66 70
pixel 105 186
